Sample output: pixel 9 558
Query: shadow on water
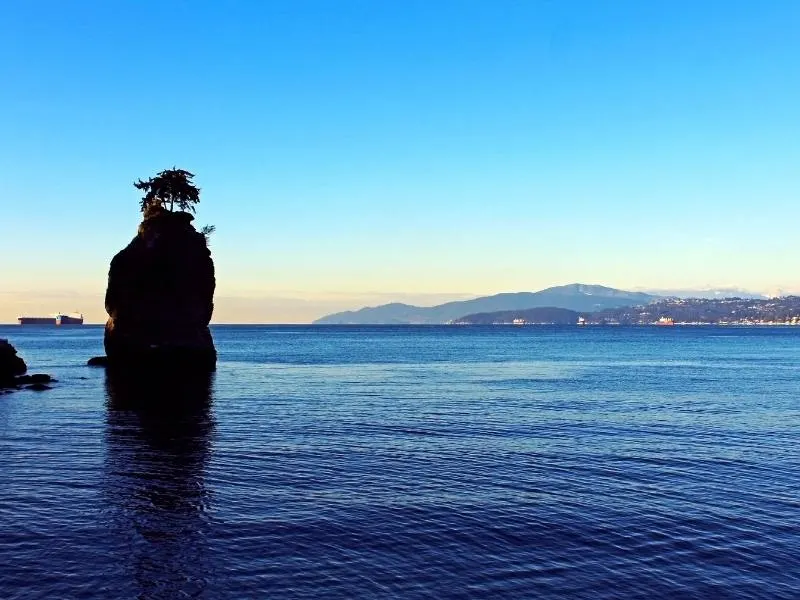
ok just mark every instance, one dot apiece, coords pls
pixel 158 444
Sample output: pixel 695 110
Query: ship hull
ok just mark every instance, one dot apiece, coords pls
pixel 37 320
pixel 57 320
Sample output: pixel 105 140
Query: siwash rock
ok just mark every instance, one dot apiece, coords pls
pixel 160 297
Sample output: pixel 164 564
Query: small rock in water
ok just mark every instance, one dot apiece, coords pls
pixel 98 361
pixel 38 387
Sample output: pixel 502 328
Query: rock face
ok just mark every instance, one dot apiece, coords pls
pixel 11 365
pixel 160 297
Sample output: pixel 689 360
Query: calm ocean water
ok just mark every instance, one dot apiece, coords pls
pixel 412 462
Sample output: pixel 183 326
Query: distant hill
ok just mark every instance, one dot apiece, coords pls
pixel 546 315
pixel 577 297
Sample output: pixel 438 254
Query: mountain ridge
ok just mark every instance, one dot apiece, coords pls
pixel 576 296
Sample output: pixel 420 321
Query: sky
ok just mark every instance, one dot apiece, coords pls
pixel 354 152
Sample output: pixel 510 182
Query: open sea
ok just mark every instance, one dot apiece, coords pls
pixel 411 462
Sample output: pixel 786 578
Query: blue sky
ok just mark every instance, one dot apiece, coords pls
pixel 356 152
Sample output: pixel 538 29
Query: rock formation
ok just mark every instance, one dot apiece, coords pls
pixel 160 297
pixel 11 365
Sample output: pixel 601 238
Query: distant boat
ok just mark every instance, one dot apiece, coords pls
pixel 665 321
pixel 59 319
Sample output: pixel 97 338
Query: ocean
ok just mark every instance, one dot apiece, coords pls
pixel 411 462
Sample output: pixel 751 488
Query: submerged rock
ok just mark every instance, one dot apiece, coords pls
pixel 160 298
pixel 11 365
pixel 38 387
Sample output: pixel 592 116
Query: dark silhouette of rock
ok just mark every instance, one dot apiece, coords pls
pixel 11 365
pixel 160 297
pixel 38 387
pixel 34 378
pixel 98 361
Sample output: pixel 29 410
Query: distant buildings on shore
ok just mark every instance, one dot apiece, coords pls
pixel 667 312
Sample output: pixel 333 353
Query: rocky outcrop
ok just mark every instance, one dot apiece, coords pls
pixel 13 369
pixel 11 365
pixel 160 297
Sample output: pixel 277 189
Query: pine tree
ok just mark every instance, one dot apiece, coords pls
pixel 169 189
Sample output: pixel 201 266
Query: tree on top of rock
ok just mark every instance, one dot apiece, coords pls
pixel 169 189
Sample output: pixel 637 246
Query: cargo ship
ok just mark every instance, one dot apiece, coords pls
pixel 59 319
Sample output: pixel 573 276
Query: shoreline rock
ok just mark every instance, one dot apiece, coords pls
pixel 11 365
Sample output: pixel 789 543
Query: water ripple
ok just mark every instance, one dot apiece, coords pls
pixel 411 463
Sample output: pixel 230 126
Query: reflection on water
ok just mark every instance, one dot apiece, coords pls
pixel 158 439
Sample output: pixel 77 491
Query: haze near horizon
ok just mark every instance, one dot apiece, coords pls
pixel 354 154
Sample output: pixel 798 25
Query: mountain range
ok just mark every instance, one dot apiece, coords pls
pixel 577 297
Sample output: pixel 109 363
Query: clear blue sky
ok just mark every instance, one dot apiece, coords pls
pixel 352 152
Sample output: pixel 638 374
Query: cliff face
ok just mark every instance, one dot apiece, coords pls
pixel 160 297
pixel 11 365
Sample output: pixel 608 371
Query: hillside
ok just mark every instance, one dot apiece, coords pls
pixel 577 297
pixel 546 315
pixel 700 311
pixel 743 311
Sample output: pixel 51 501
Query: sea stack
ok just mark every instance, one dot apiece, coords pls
pixel 160 297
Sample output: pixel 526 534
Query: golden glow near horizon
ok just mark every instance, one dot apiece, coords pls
pixel 264 306
pixel 258 308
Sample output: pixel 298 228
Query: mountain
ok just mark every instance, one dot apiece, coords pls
pixel 577 296
pixel 546 315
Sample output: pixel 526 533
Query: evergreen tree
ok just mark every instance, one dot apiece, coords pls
pixel 169 189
